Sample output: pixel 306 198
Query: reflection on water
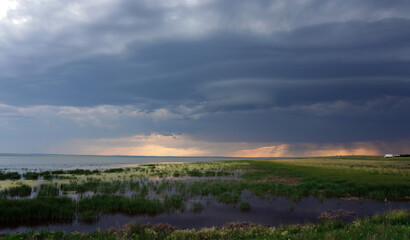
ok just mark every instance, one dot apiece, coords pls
pixel 274 212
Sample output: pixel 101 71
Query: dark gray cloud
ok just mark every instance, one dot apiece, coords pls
pixel 236 71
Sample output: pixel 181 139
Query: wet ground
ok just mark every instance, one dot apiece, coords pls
pixel 36 162
pixel 276 211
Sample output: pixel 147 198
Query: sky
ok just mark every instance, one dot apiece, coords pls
pixel 261 78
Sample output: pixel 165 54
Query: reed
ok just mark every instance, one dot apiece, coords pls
pixel 195 173
pixel 18 191
pixel 9 175
pixel 81 187
pixel 48 190
pixel 245 206
pixel 47 175
pixel 114 170
pixel 31 175
pixel 79 172
pixel 229 198
pixel 174 202
pixel 119 204
pixel 197 207
pixel 38 209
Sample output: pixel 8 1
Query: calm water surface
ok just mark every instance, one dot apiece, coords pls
pixel 273 212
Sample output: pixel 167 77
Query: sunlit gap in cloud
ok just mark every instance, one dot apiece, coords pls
pixel 5 6
pixel 184 145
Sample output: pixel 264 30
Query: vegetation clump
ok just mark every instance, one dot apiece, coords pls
pixel 31 175
pixel 393 225
pixel 47 175
pixel 245 206
pixel 114 170
pixel 18 191
pixel 128 206
pixel 79 172
pixel 9 175
pixel 47 190
pixel 197 207
pixel 49 209
pixel 227 197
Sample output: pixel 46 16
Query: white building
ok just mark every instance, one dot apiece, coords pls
pixel 388 155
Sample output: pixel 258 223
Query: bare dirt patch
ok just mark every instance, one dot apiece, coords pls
pixel 241 225
pixel 350 198
pixel 291 181
pixel 336 214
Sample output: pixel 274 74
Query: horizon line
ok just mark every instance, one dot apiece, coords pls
pixel 99 155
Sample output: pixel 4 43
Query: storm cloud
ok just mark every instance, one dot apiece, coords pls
pixel 253 75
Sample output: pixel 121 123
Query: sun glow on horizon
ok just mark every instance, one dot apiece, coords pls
pixel 184 146
pixel 154 150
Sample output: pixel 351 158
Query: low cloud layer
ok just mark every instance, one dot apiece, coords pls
pixel 269 76
pixel 185 145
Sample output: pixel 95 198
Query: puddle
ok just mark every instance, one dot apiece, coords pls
pixel 276 211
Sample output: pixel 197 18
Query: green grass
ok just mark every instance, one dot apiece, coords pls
pixel 195 173
pixel 9 175
pixel 114 170
pixel 18 191
pixel 245 206
pixel 394 225
pixel 330 180
pixel 47 190
pixel 79 172
pixel 47 175
pixel 31 175
pixel 129 206
pixel 197 207
pixel 228 197
pixel 48 209
pixel 81 187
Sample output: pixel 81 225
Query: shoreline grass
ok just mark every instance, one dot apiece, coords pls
pixel 50 209
pixel 393 225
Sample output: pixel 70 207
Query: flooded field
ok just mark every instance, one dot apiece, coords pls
pixel 199 195
pixel 52 162
pixel 272 212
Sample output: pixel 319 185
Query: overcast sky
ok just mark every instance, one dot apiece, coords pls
pixel 205 77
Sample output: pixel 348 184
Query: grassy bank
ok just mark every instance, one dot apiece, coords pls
pixel 394 225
